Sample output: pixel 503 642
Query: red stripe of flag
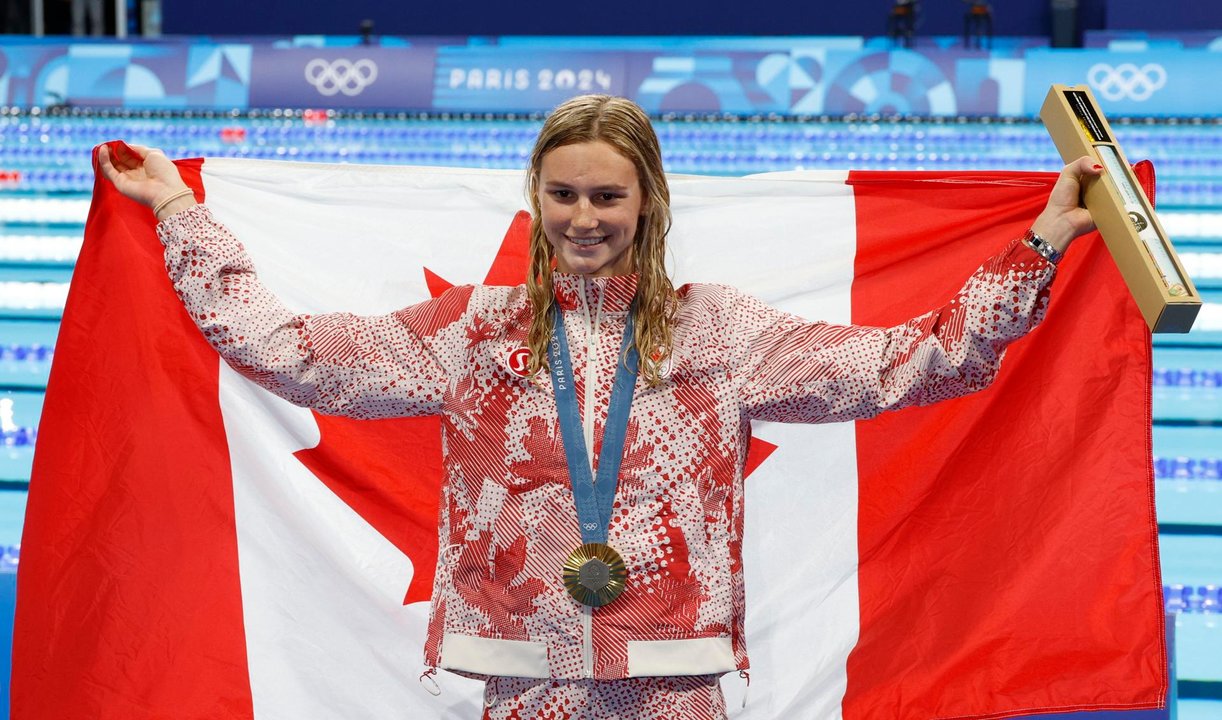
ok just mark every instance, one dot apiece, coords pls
pixel 1008 557
pixel 130 521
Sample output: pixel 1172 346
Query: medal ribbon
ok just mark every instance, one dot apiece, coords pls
pixel 593 500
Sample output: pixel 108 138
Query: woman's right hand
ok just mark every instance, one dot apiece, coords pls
pixel 145 175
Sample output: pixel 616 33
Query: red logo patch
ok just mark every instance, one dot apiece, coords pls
pixel 518 361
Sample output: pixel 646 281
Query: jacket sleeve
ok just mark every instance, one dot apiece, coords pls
pixel 337 363
pixel 797 371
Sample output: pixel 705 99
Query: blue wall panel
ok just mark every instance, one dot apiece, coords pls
pixel 628 17
pixel 1181 15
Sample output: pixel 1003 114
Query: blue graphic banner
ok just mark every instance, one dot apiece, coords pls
pixel 165 75
pixel 787 76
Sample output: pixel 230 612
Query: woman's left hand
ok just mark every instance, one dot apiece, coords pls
pixel 1064 218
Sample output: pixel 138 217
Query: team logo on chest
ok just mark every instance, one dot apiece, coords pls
pixel 517 361
pixel 667 364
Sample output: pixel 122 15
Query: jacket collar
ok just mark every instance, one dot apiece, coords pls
pixel 616 292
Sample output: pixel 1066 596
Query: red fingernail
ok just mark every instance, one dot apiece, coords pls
pixel 1097 167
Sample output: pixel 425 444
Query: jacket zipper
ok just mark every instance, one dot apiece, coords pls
pixel 592 327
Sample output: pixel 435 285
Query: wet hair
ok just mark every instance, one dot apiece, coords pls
pixel 624 126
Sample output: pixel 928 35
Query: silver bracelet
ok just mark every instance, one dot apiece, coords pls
pixel 1042 246
pixel 161 205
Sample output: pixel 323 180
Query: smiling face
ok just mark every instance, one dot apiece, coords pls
pixel 591 203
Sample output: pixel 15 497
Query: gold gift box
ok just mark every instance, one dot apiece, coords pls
pixel 1124 215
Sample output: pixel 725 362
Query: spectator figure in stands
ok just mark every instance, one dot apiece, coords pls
pixel 88 18
pixel 901 23
pixel 978 25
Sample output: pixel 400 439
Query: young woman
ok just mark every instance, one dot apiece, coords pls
pixel 592 507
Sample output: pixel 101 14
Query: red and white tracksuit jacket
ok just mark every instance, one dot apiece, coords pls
pixel 507 515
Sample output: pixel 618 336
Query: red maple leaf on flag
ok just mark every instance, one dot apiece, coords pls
pixel 390 471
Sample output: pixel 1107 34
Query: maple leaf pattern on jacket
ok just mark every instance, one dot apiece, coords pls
pixel 479 331
pixel 490 577
pixel 540 441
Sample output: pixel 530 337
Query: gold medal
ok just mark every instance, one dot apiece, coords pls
pixel 594 574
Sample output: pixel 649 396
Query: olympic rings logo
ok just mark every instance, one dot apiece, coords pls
pixel 341 76
pixel 1127 80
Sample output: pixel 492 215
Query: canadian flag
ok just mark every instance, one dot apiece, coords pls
pixel 197 548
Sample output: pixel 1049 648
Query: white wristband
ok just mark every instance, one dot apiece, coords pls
pixel 161 205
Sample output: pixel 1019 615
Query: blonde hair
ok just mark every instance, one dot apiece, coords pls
pixel 623 125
